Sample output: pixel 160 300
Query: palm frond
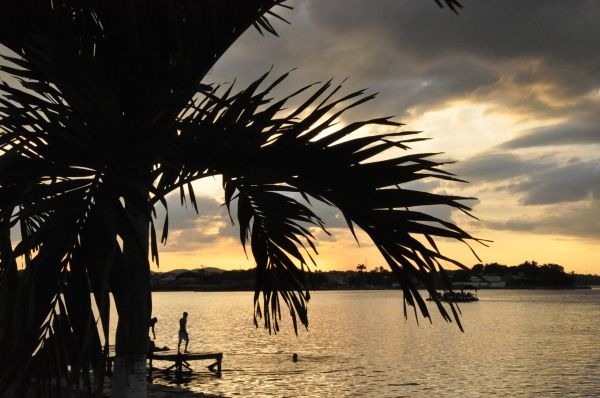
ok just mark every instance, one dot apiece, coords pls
pixel 454 5
pixel 277 226
pixel 147 62
pixel 258 148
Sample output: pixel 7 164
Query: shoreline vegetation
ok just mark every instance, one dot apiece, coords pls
pixel 528 275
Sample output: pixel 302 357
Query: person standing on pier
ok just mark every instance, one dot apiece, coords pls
pixel 151 325
pixel 151 342
pixel 183 334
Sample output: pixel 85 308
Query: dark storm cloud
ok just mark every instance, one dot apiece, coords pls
pixel 553 43
pixel 558 32
pixel 322 49
pixel 529 57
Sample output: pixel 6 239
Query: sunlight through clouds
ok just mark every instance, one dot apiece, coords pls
pixel 516 109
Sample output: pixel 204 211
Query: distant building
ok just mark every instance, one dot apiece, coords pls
pixel 487 281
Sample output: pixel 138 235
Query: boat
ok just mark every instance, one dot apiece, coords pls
pixel 462 296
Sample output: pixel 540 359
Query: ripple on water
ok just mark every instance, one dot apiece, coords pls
pixel 516 343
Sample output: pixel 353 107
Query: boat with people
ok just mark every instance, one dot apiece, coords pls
pixel 462 296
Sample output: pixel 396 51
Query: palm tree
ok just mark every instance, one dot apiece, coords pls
pixel 107 116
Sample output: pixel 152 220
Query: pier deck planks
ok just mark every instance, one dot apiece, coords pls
pixel 181 361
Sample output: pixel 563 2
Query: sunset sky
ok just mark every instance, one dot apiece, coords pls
pixel 508 89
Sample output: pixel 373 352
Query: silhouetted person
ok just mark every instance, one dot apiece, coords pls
pixel 151 344
pixel 295 357
pixel 151 325
pixel 183 334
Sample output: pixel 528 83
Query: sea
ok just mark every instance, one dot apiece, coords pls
pixel 516 343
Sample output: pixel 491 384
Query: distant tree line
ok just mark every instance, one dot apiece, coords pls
pixel 198 279
pixel 587 279
pixel 529 274
pixel 525 275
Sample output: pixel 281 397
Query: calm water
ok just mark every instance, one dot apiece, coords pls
pixel 516 343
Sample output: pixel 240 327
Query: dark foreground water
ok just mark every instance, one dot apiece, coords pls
pixel 516 343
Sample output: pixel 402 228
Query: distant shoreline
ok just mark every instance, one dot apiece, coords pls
pixel 529 275
pixel 219 289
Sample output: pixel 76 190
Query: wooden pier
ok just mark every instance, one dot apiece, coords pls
pixel 181 361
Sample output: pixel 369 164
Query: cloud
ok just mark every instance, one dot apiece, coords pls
pixel 496 166
pixel 535 62
pixel 538 180
pixel 549 195
pixel 534 56
pixel 567 183
pixel 188 230
pixel 405 38
pixel 581 219
pixel 331 216
pixel 562 134
pixel 495 31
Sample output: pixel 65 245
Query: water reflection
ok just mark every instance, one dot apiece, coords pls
pixel 515 343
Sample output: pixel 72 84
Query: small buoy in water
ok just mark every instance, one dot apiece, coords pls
pixel 295 357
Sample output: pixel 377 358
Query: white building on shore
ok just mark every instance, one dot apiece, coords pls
pixel 486 281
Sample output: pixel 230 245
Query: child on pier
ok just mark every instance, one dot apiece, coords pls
pixel 183 334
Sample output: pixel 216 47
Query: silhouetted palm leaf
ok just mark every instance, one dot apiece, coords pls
pixel 265 155
pixel 451 4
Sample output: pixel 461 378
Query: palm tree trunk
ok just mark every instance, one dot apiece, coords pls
pixel 129 379
pixel 131 290
pixel 8 288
